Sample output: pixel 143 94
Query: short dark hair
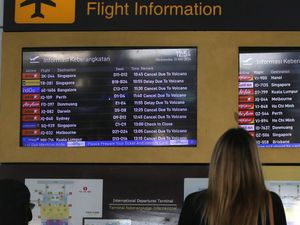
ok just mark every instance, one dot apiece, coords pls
pixel 14 203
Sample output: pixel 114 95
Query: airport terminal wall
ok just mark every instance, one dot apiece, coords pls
pixel 216 99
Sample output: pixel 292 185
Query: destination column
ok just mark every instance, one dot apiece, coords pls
pixel 284 95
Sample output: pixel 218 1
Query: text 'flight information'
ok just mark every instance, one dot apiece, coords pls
pixel 90 97
pixel 269 98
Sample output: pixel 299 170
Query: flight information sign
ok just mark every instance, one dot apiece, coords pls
pixel 93 97
pixel 269 98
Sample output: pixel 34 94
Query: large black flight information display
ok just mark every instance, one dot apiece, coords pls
pixel 269 98
pixel 93 97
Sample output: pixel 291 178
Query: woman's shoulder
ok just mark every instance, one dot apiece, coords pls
pixel 279 214
pixel 275 198
pixel 197 197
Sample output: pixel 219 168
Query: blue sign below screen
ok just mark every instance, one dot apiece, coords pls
pixel 33 142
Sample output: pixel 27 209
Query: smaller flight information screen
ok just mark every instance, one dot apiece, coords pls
pixel 94 97
pixel 269 97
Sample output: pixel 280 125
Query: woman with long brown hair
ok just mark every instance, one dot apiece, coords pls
pixel 236 193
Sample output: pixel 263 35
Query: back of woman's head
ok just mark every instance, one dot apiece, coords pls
pixel 235 162
pixel 235 180
pixel 14 203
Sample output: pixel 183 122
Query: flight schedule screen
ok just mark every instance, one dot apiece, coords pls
pixel 269 98
pixel 93 97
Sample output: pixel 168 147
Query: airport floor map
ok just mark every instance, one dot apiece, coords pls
pixel 65 201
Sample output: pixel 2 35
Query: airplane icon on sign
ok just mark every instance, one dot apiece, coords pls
pixel 38 4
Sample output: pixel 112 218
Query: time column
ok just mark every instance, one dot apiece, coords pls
pixel 120 104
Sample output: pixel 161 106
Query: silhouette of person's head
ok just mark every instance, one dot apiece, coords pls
pixel 15 206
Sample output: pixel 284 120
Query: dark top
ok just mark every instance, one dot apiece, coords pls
pixel 191 210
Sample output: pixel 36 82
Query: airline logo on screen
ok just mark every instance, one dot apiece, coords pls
pixel 44 11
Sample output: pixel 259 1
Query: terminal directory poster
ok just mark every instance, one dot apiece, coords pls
pixel 65 201
pixel 93 97
pixel 269 97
